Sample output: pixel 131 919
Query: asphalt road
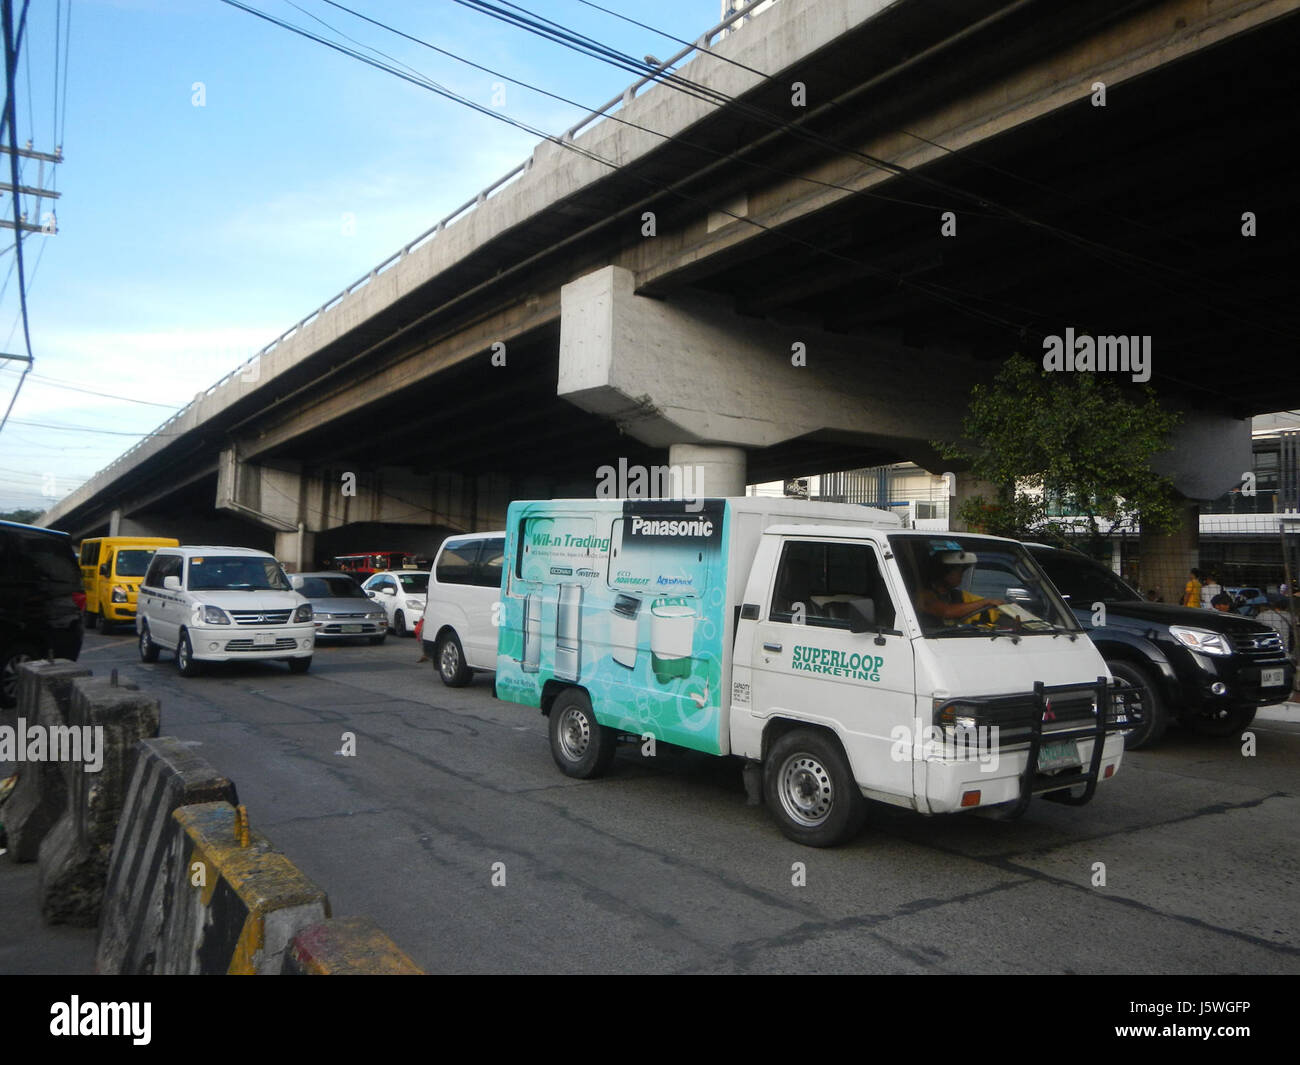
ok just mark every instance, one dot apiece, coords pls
pixel 661 867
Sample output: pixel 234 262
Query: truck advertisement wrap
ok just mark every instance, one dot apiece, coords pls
pixel 615 597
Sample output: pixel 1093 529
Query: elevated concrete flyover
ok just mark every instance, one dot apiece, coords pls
pixel 1097 160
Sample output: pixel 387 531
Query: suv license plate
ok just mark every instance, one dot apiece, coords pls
pixel 350 628
pixel 1270 678
pixel 1064 754
pixel 264 639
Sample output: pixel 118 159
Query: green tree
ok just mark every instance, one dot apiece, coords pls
pixel 23 517
pixel 1056 444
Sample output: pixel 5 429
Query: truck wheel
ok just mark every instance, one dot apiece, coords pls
pixel 90 620
pixel 449 660
pixel 1155 715
pixel 1222 723
pixel 185 663
pixel 300 665
pixel 580 745
pixel 148 649
pixel 810 789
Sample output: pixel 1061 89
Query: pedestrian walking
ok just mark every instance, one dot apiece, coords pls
pixel 1209 590
pixel 419 640
pixel 1275 616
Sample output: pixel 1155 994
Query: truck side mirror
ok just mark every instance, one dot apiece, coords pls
pixel 172 584
pixel 862 615
pixel 103 570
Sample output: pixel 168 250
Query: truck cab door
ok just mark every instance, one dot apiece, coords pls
pixel 808 665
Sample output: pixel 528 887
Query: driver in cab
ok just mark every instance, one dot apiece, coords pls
pixel 942 598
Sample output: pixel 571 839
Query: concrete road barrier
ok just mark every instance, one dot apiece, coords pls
pixel 168 775
pixel 236 902
pixel 74 857
pixel 347 946
pixel 41 795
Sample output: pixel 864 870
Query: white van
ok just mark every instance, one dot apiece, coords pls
pixel 222 604
pixel 842 656
pixel 461 611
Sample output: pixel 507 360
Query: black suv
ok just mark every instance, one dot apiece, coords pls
pixel 1208 670
pixel 41 600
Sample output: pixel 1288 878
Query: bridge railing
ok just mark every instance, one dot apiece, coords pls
pixel 702 43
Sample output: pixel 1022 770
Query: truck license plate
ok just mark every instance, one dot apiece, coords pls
pixel 1270 678
pixel 264 639
pixel 351 628
pixel 1064 754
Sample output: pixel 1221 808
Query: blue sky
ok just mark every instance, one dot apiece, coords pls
pixel 190 236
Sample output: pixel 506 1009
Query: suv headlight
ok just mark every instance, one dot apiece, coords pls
pixel 1210 643
pixel 303 613
pixel 381 616
pixel 214 615
pixel 119 594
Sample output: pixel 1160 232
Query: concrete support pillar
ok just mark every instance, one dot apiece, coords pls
pixel 707 470
pixel 296 550
pixel 1165 559
pixel 115 523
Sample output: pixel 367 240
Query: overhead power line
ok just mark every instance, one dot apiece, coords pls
pixel 933 291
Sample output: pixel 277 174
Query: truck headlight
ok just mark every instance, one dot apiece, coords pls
pixel 303 613
pixel 119 594
pixel 955 715
pixel 214 615
pixel 1210 643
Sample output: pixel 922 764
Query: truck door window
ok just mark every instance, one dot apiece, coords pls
pixel 817 581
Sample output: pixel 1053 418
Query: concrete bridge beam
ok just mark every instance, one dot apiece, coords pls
pixel 692 371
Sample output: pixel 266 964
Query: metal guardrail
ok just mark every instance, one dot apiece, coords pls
pixel 624 98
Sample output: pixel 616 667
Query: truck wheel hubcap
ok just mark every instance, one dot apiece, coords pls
pixel 449 660
pixel 805 790
pixel 575 734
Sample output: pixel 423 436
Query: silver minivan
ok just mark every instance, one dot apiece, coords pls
pixel 461 613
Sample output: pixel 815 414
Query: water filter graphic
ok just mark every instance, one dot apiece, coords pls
pixel 622 630
pixel 568 631
pixel 532 633
pixel 672 634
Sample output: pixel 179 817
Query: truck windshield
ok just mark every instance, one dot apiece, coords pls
pixel 971 586
pixel 132 562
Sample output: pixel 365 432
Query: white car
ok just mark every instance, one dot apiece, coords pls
pixel 401 593
pixel 222 604
pixel 460 619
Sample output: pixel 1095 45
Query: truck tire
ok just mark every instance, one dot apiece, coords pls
pixel 1156 715
pixel 810 789
pixel 1222 723
pixel 300 665
pixel 580 745
pixel 449 661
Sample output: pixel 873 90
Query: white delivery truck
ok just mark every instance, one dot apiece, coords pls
pixel 841 655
